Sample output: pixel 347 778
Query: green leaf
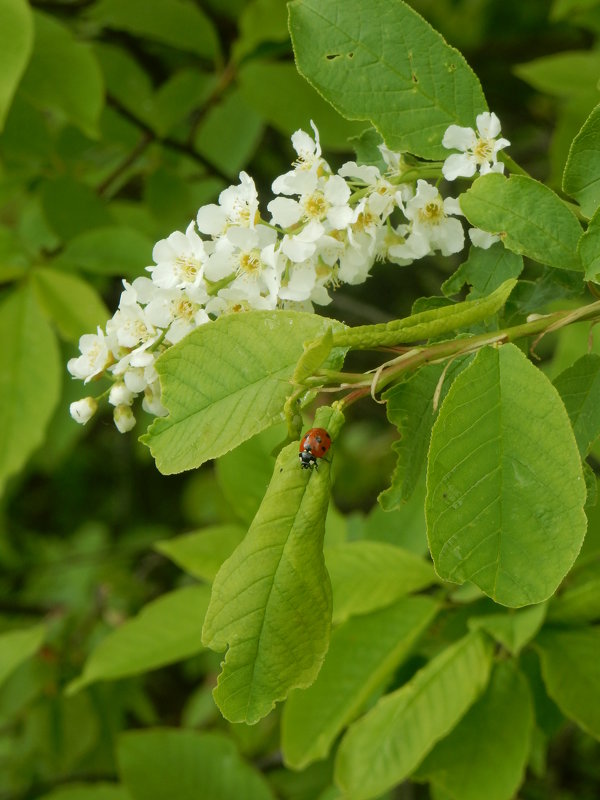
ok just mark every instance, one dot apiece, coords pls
pixel 163 764
pixel 505 487
pixel 564 74
pixel 176 99
pixel 578 604
pixel 166 630
pixel 30 371
pixel 410 407
pixel 16 39
pixel 271 600
pixel 581 178
pixel 74 306
pixel 229 134
pixel 86 791
pixel 513 630
pixel 386 745
pixel 63 76
pixel 484 271
pixel 570 670
pixel 486 754
pixel 579 388
pixel 260 21
pixel 72 208
pixel 225 382
pixel 283 80
pixel 109 250
pixel 548 234
pixel 176 23
pixel 244 474
pixel 201 553
pixel 16 646
pixel 589 249
pixel 386 64
pixel 363 654
pixel 370 575
pixel 434 322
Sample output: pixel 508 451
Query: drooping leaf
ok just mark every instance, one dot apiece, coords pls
pixel 385 64
pixel 63 76
pixel 163 764
pixel 225 382
pixel 201 553
pixel 166 630
pixel 504 206
pixel 384 747
pixel 74 306
pixel 570 670
pixel 505 487
pixel 581 178
pixel 16 38
pixel 363 654
pixel 176 23
pixel 29 379
pixel 271 600
pixel 370 575
pixel 486 754
pixel 579 388
pixel 514 629
pixel 484 271
pixel 16 646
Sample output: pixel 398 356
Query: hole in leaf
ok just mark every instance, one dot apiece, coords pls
pixel 332 56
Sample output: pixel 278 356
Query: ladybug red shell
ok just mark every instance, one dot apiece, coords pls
pixel 313 445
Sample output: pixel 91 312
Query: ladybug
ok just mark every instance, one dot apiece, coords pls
pixel 313 445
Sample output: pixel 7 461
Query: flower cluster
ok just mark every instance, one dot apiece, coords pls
pixel 324 229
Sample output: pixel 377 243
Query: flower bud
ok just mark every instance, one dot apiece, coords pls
pixel 123 418
pixel 83 410
pixel 120 395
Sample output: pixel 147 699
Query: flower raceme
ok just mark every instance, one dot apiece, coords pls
pixel 324 229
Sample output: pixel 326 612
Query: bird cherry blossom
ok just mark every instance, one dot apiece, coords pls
pixel 479 149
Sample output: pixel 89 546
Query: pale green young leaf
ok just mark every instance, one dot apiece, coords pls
pixel 532 220
pixel 384 63
pixel 505 486
pixel 382 748
pixel 283 80
pixel 201 553
pixel 225 382
pixel 88 791
pixel 484 271
pixel 183 26
pixel 486 754
pixel 30 370
pixel 410 407
pixel 109 250
pixel 16 646
pixel 589 249
pixel 581 178
pixel 427 324
pixel 363 654
pixel 166 630
pixel 579 388
pixel 63 76
pixel 570 669
pixel 164 764
pixel 513 629
pixel 16 38
pixel 73 305
pixel 370 575
pixel 271 600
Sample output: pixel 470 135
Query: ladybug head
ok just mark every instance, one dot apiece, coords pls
pixel 307 460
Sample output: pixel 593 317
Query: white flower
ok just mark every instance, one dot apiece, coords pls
pixel 123 419
pixel 432 228
pixel 179 260
pixel 307 166
pixel 479 150
pixel 95 356
pixel 83 410
pixel 238 206
pixel 120 395
pixel 151 402
pixel 482 239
